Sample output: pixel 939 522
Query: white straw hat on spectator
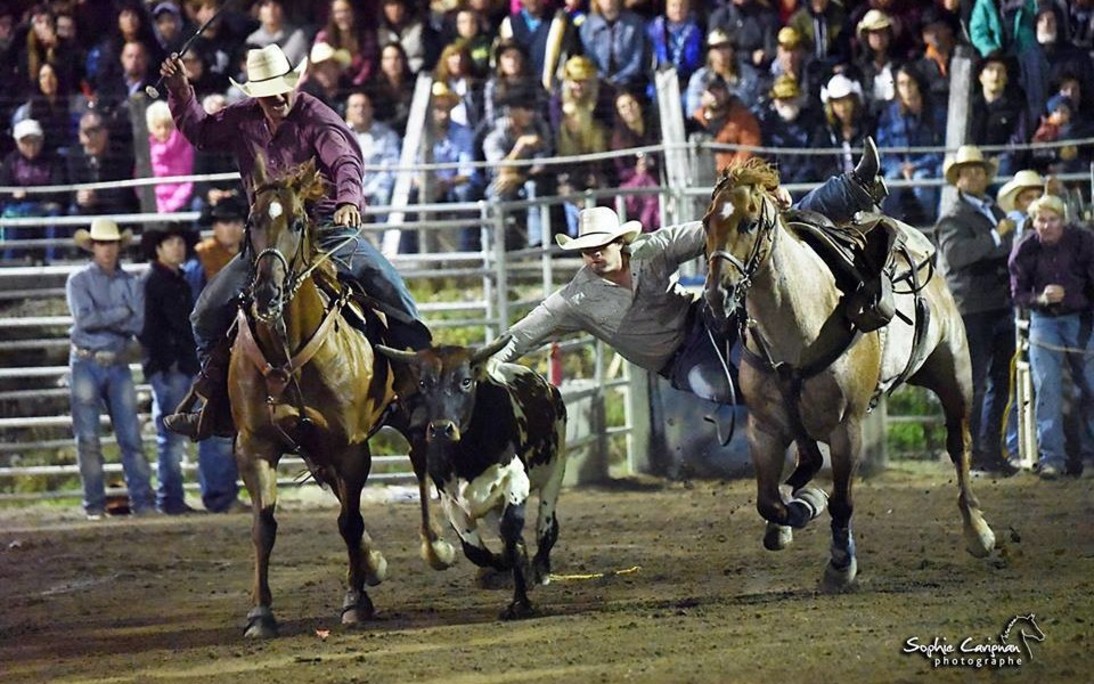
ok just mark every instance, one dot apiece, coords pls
pixel 321 52
pixel 102 230
pixel 597 227
pixel 967 155
pixel 840 86
pixel 27 128
pixel 1023 180
pixel 269 72
pixel 874 20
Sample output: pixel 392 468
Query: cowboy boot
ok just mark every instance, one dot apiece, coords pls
pixel 211 387
pixel 867 173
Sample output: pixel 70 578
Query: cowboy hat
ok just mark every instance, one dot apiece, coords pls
pixel 579 68
pixel 874 20
pixel 269 72
pixel 154 237
pixel 719 38
pixel 322 52
pixel 1023 180
pixel 597 227
pixel 840 86
pixel 966 155
pixel 785 88
pixel 102 230
pixel 443 95
pixel 789 38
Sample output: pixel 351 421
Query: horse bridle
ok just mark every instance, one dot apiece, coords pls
pixel 751 265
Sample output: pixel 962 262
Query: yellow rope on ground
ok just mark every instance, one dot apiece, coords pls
pixel 595 575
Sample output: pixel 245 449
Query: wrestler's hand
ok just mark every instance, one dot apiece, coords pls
pixel 174 76
pixel 347 215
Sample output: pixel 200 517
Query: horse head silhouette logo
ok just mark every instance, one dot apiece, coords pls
pixel 1028 630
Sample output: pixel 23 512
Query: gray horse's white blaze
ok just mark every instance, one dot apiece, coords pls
pixel 495 435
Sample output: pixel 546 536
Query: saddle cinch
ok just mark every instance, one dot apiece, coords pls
pixel 862 257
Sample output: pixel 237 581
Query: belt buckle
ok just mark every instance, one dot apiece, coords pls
pixel 105 358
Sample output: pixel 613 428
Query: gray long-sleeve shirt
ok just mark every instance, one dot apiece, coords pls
pixel 645 325
pixel 107 309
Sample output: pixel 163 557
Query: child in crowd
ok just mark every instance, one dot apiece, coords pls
pixel 171 155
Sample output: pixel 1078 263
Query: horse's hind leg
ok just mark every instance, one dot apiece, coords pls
pixel 260 477
pixel 938 374
pixel 366 565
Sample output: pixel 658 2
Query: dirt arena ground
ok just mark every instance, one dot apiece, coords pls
pixel 164 599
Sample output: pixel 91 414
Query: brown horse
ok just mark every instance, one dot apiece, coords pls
pixel 809 377
pixel 303 380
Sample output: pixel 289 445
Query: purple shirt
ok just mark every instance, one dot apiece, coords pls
pixel 1068 263
pixel 310 131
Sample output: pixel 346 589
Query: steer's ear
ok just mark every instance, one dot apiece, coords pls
pixel 490 349
pixel 396 354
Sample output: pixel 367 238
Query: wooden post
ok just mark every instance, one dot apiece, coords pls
pixel 957 113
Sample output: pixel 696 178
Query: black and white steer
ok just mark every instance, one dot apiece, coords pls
pixel 493 437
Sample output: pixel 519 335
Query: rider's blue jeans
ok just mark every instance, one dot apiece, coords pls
pixel 838 198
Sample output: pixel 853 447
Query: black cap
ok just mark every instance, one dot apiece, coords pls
pixel 151 238
pixel 231 208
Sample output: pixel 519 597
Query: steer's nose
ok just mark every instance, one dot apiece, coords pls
pixel 444 429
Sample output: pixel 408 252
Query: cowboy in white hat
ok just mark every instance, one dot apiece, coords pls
pixel 974 241
pixel 1016 194
pixel 107 307
pixel 287 129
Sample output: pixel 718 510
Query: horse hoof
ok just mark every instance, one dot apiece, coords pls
pixel 519 609
pixel 376 570
pixel 839 580
pixel 440 555
pixel 260 624
pixel 979 539
pixel 541 572
pixel 777 537
pixel 356 610
pixel 815 500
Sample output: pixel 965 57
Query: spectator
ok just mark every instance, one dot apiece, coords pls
pixel 458 181
pixel 510 71
pixel 974 241
pixel 728 121
pixel 208 162
pixel 547 40
pixel 218 476
pixel 54 107
pixel 112 97
pixel 634 128
pixel 454 70
pixel 789 121
pixel 904 17
pixel 471 29
pixel 1056 128
pixel 580 134
pixel 676 39
pixel 721 64
pixel 1052 274
pixel 107 307
pixel 997 112
pixel 876 60
pixel 998 27
pixel 521 135
pixel 912 120
pixel 753 25
pixel 1050 58
pixel 169 27
pixel 392 88
pixel 846 125
pixel 106 62
pixel 400 23
pixel 42 45
pixel 171 155
pixel 580 86
pixel 323 79
pixel 169 362
pixel 615 39
pixel 345 30
pixel 939 34
pixel 825 31
pixel 1017 194
pixel 28 166
pixel 98 160
pixel 273 29
pixel 792 59
pixel 220 42
pixel 380 147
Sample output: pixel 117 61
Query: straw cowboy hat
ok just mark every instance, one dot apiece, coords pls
pixel 269 72
pixel 789 38
pixel 840 86
pixel 102 230
pixel 443 95
pixel 719 38
pixel 966 155
pixel 785 88
pixel 322 52
pixel 579 68
pixel 874 20
pixel 597 227
pixel 1023 180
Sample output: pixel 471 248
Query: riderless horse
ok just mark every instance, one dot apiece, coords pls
pixel 304 380
pixel 809 374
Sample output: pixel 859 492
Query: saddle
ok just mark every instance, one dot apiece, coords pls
pixel 861 256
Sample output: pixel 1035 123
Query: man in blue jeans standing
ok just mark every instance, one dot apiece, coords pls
pixel 107 306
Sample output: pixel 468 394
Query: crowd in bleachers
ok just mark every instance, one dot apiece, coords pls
pixel 532 79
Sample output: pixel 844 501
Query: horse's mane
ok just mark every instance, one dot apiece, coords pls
pixel 306 181
pixel 752 171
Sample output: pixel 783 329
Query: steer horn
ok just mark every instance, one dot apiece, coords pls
pixel 396 354
pixel 491 349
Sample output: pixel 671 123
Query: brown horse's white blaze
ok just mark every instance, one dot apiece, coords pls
pixel 494 437
pixel 789 295
pixel 300 377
